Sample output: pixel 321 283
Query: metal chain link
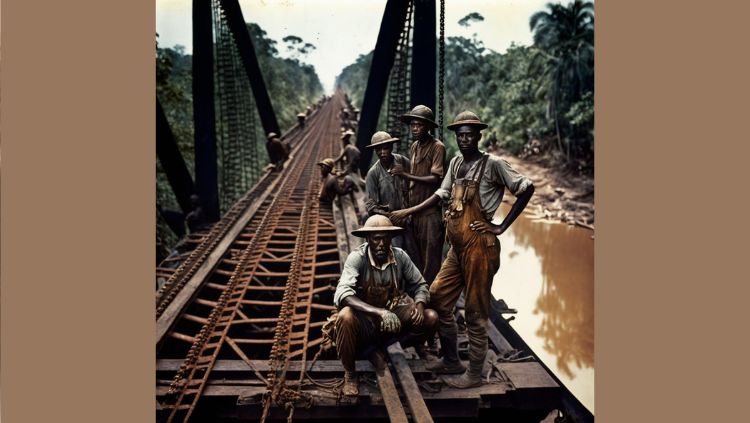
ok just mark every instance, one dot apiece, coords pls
pixel 441 65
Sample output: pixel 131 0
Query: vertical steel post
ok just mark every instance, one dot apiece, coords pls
pixel 204 115
pixel 424 55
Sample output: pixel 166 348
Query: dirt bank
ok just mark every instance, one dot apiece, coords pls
pixel 560 196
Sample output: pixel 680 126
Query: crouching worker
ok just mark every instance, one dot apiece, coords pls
pixel 381 299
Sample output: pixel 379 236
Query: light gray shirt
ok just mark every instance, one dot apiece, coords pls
pixel 498 175
pixel 358 265
pixel 384 189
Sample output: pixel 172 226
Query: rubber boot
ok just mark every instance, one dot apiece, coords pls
pixel 450 364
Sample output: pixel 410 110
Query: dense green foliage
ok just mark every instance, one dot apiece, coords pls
pixel 291 84
pixel 541 93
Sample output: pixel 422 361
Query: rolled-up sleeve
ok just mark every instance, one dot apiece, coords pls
pixel 515 182
pixel 348 280
pixel 444 192
pixel 414 283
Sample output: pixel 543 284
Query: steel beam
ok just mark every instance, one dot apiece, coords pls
pixel 424 48
pixel 172 162
pixel 237 25
pixel 204 115
pixel 377 80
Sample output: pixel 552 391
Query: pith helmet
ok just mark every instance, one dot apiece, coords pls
pixel 420 112
pixel 380 138
pixel 377 223
pixel 327 162
pixel 272 135
pixel 347 133
pixel 467 118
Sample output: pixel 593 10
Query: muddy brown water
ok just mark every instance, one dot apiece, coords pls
pixel 547 274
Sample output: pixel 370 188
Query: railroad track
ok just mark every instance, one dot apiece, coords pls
pixel 270 291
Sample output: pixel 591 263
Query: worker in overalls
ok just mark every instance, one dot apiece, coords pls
pixel 381 297
pixel 474 186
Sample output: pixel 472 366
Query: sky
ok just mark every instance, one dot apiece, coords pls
pixel 342 30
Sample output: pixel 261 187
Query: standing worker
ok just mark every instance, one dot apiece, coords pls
pixel 387 192
pixel 427 170
pixel 475 185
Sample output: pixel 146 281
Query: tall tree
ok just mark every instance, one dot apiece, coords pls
pixel 564 55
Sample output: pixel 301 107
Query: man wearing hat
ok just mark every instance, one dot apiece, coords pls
pixel 380 297
pixel 333 183
pixel 278 152
pixel 427 170
pixel 350 154
pixel 474 186
pixel 387 192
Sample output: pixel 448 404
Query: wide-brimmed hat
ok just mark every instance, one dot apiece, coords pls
pixel 467 118
pixel 272 135
pixel 380 138
pixel 347 133
pixel 420 112
pixel 377 223
pixel 327 162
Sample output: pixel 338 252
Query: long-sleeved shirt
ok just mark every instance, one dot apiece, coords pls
pixel 384 189
pixel 358 266
pixel 498 174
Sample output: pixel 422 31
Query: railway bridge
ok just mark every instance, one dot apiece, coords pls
pixel 240 304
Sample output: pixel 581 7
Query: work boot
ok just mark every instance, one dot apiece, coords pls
pixel 470 378
pixel 351 384
pixel 450 364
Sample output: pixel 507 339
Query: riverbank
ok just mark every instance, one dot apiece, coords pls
pixel 563 197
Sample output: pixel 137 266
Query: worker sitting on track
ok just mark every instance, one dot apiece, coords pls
pixel 333 183
pixel 278 151
pixel 350 155
pixel 381 298
pixel 474 186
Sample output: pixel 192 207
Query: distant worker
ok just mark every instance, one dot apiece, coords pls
pixel 381 297
pixel 196 219
pixel 278 152
pixel 350 154
pixel 474 187
pixel 333 184
pixel 301 119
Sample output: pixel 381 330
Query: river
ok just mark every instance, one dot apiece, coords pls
pixel 547 274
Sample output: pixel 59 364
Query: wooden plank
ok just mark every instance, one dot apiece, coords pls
pixel 391 400
pixel 528 375
pixel 419 411
pixel 501 344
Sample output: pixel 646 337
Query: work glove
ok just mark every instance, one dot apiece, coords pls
pixel 389 322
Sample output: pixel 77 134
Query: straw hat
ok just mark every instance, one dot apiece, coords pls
pixel 380 138
pixel 420 112
pixel 327 162
pixel 467 118
pixel 377 223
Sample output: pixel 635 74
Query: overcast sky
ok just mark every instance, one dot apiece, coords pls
pixel 342 30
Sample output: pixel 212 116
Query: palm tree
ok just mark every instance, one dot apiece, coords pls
pixel 564 55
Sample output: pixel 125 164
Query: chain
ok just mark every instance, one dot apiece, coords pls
pixel 441 64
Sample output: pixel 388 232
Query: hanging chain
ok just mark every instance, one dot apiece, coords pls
pixel 441 72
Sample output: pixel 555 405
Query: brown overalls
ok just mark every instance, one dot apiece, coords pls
pixel 355 331
pixel 471 263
